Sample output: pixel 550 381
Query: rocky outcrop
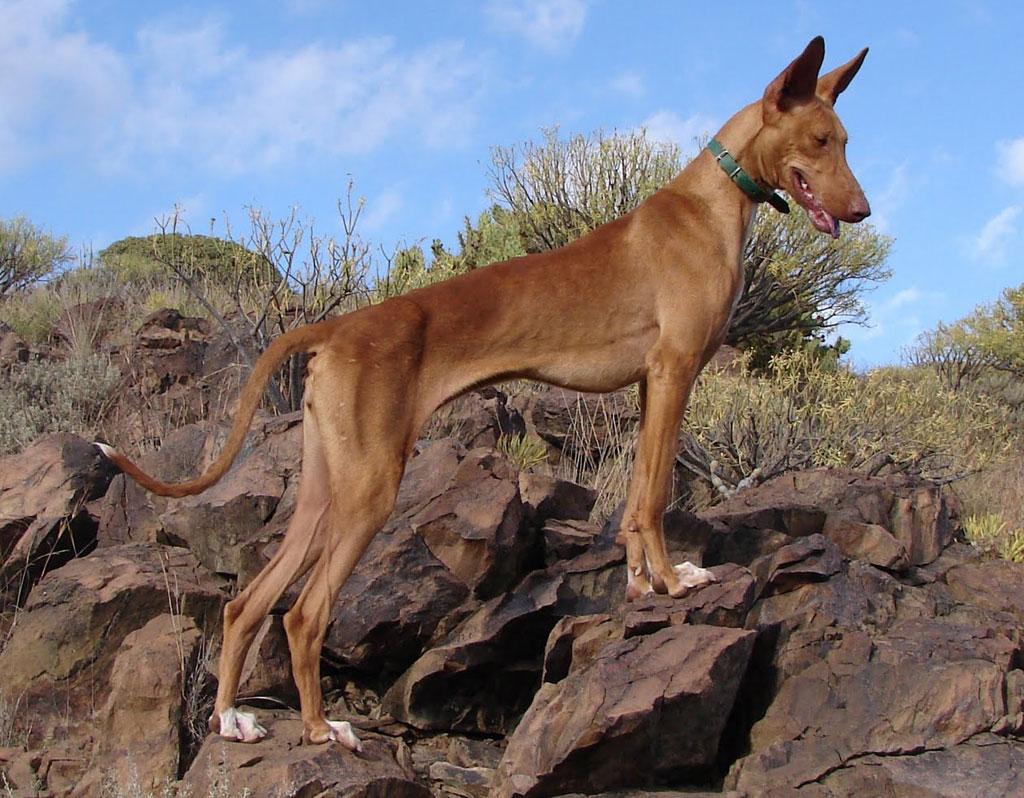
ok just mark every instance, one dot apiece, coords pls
pixel 850 645
pixel 645 710
pixel 44 517
pixel 280 767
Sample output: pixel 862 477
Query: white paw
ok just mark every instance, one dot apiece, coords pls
pixel 691 575
pixel 341 732
pixel 240 726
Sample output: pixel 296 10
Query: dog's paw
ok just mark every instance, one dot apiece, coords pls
pixel 240 726
pixel 637 583
pixel 691 576
pixel 341 732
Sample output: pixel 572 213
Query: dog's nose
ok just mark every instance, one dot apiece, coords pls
pixel 859 209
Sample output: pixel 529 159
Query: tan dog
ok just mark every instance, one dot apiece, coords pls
pixel 646 298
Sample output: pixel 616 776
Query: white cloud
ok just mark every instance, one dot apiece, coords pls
pixel 669 127
pixel 189 95
pixel 992 240
pixel 57 86
pixel 1011 161
pixel 629 83
pixel 897 320
pixel 382 208
pixel 551 25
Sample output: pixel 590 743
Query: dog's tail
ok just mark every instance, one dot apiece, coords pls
pixel 280 348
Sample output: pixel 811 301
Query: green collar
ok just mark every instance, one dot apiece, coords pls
pixel 743 180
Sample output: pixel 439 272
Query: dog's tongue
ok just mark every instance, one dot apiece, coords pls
pixel 825 221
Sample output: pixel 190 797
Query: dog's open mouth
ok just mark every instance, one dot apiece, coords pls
pixel 820 218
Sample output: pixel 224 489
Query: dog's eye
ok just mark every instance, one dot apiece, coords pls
pixel 822 140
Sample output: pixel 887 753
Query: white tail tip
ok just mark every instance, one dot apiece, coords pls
pixel 109 451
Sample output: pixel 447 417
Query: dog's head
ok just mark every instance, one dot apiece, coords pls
pixel 803 143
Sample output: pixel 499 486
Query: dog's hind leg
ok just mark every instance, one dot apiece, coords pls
pixel 302 546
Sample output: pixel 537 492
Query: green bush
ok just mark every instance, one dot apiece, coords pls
pixel 146 259
pixel 41 397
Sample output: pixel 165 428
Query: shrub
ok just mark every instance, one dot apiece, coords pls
pixel 28 254
pixel 41 397
pixel 746 427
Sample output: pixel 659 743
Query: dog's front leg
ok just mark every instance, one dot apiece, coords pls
pixel 663 396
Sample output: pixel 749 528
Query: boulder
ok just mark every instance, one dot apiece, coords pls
pixel 483 676
pixel 44 521
pixel 647 709
pixel 141 722
pixel 808 559
pixel 280 767
pixel 477 418
pixel 919 515
pixel 378 636
pixel 68 634
pixel 476 526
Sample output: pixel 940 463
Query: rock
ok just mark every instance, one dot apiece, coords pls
pixel 377 635
pixel 267 670
pixel 645 710
pixel 985 765
pixel 547 498
pixel 578 426
pixel 476 526
pixel 475 419
pixel 564 540
pixel 722 603
pixel 131 514
pixel 918 514
pixel 215 523
pixel 67 636
pixel 996 585
pixel 280 767
pixel 808 559
pixel 142 720
pixel 575 641
pixel 483 676
pixel 887 686
pixel 473 782
pixel 43 519
pixel 870 542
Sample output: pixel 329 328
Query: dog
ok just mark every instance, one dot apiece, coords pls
pixel 646 298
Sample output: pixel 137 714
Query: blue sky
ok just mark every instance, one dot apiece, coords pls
pixel 111 113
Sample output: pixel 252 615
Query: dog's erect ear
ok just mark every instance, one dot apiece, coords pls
pixel 835 82
pixel 797 83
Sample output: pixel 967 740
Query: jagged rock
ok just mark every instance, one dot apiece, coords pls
pixel 995 585
pixel 807 559
pixel 645 709
pixel 482 678
pixel 564 540
pixel 76 618
pixel 575 641
pixel 214 524
pixel 871 542
pixel 130 514
pixel 984 765
pixel 140 725
pixel 918 514
pixel 43 518
pixel 376 634
pixel 722 603
pixel 548 498
pixel 476 419
pixel 476 526
pixel 267 669
pixel 280 767
pixel 472 782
